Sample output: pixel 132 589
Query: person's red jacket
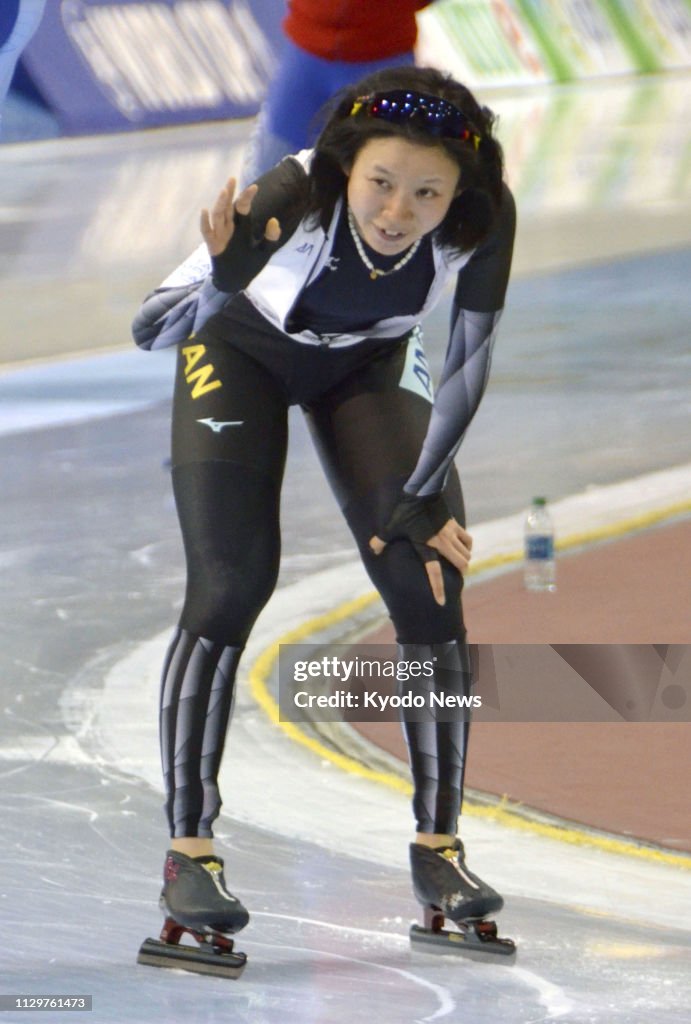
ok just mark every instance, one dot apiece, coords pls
pixel 353 30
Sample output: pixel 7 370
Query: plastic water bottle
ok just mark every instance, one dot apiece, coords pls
pixel 539 568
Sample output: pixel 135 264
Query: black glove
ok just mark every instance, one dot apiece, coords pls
pixel 416 519
pixel 244 256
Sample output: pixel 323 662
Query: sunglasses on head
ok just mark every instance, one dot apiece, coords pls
pixel 436 116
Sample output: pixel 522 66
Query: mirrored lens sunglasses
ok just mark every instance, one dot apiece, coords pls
pixel 438 117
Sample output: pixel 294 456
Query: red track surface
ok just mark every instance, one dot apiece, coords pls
pixel 631 778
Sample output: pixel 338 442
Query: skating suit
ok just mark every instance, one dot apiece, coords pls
pixel 301 322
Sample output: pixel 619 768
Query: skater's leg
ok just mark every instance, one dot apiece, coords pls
pixel 229 440
pixel 437 740
pixel 197 696
pixel 369 434
pixel 296 92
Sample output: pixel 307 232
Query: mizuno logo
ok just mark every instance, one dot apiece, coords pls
pixel 218 425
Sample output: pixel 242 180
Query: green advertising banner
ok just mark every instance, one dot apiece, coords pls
pixel 658 32
pixel 520 42
pixel 481 41
pixel 577 38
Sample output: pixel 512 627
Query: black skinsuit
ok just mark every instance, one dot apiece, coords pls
pixel 378 437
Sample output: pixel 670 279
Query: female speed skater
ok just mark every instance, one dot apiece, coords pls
pixel 321 271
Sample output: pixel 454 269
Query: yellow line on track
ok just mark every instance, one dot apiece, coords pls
pixel 502 812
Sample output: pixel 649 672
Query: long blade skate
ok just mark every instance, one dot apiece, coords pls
pixel 476 939
pixel 213 955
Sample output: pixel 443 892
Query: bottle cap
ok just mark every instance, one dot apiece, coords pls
pixel 539 501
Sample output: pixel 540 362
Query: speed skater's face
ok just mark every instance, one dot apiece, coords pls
pixel 399 191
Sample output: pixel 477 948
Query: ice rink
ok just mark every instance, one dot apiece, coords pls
pixel 589 389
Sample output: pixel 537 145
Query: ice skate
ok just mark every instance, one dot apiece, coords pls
pixel 445 888
pixel 195 902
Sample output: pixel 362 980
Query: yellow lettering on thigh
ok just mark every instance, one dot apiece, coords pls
pixel 201 379
pixel 192 354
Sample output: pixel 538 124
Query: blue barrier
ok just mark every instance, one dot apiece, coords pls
pixel 113 65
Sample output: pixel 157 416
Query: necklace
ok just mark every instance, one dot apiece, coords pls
pixel 374 272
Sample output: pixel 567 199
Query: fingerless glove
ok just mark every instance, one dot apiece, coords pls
pixel 416 519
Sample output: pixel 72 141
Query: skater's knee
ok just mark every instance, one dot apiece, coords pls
pixel 223 600
pixel 416 615
pixel 401 578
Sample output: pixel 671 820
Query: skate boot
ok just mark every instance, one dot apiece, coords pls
pixel 446 888
pixel 195 901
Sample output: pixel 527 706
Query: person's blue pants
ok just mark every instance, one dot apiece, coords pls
pixel 302 84
pixel 19 19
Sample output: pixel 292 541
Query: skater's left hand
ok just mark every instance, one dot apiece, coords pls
pixel 455 544
pixel 452 541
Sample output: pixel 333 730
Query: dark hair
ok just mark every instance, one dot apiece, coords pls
pixel 471 214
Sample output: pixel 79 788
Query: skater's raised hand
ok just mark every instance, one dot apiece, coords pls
pixel 218 225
